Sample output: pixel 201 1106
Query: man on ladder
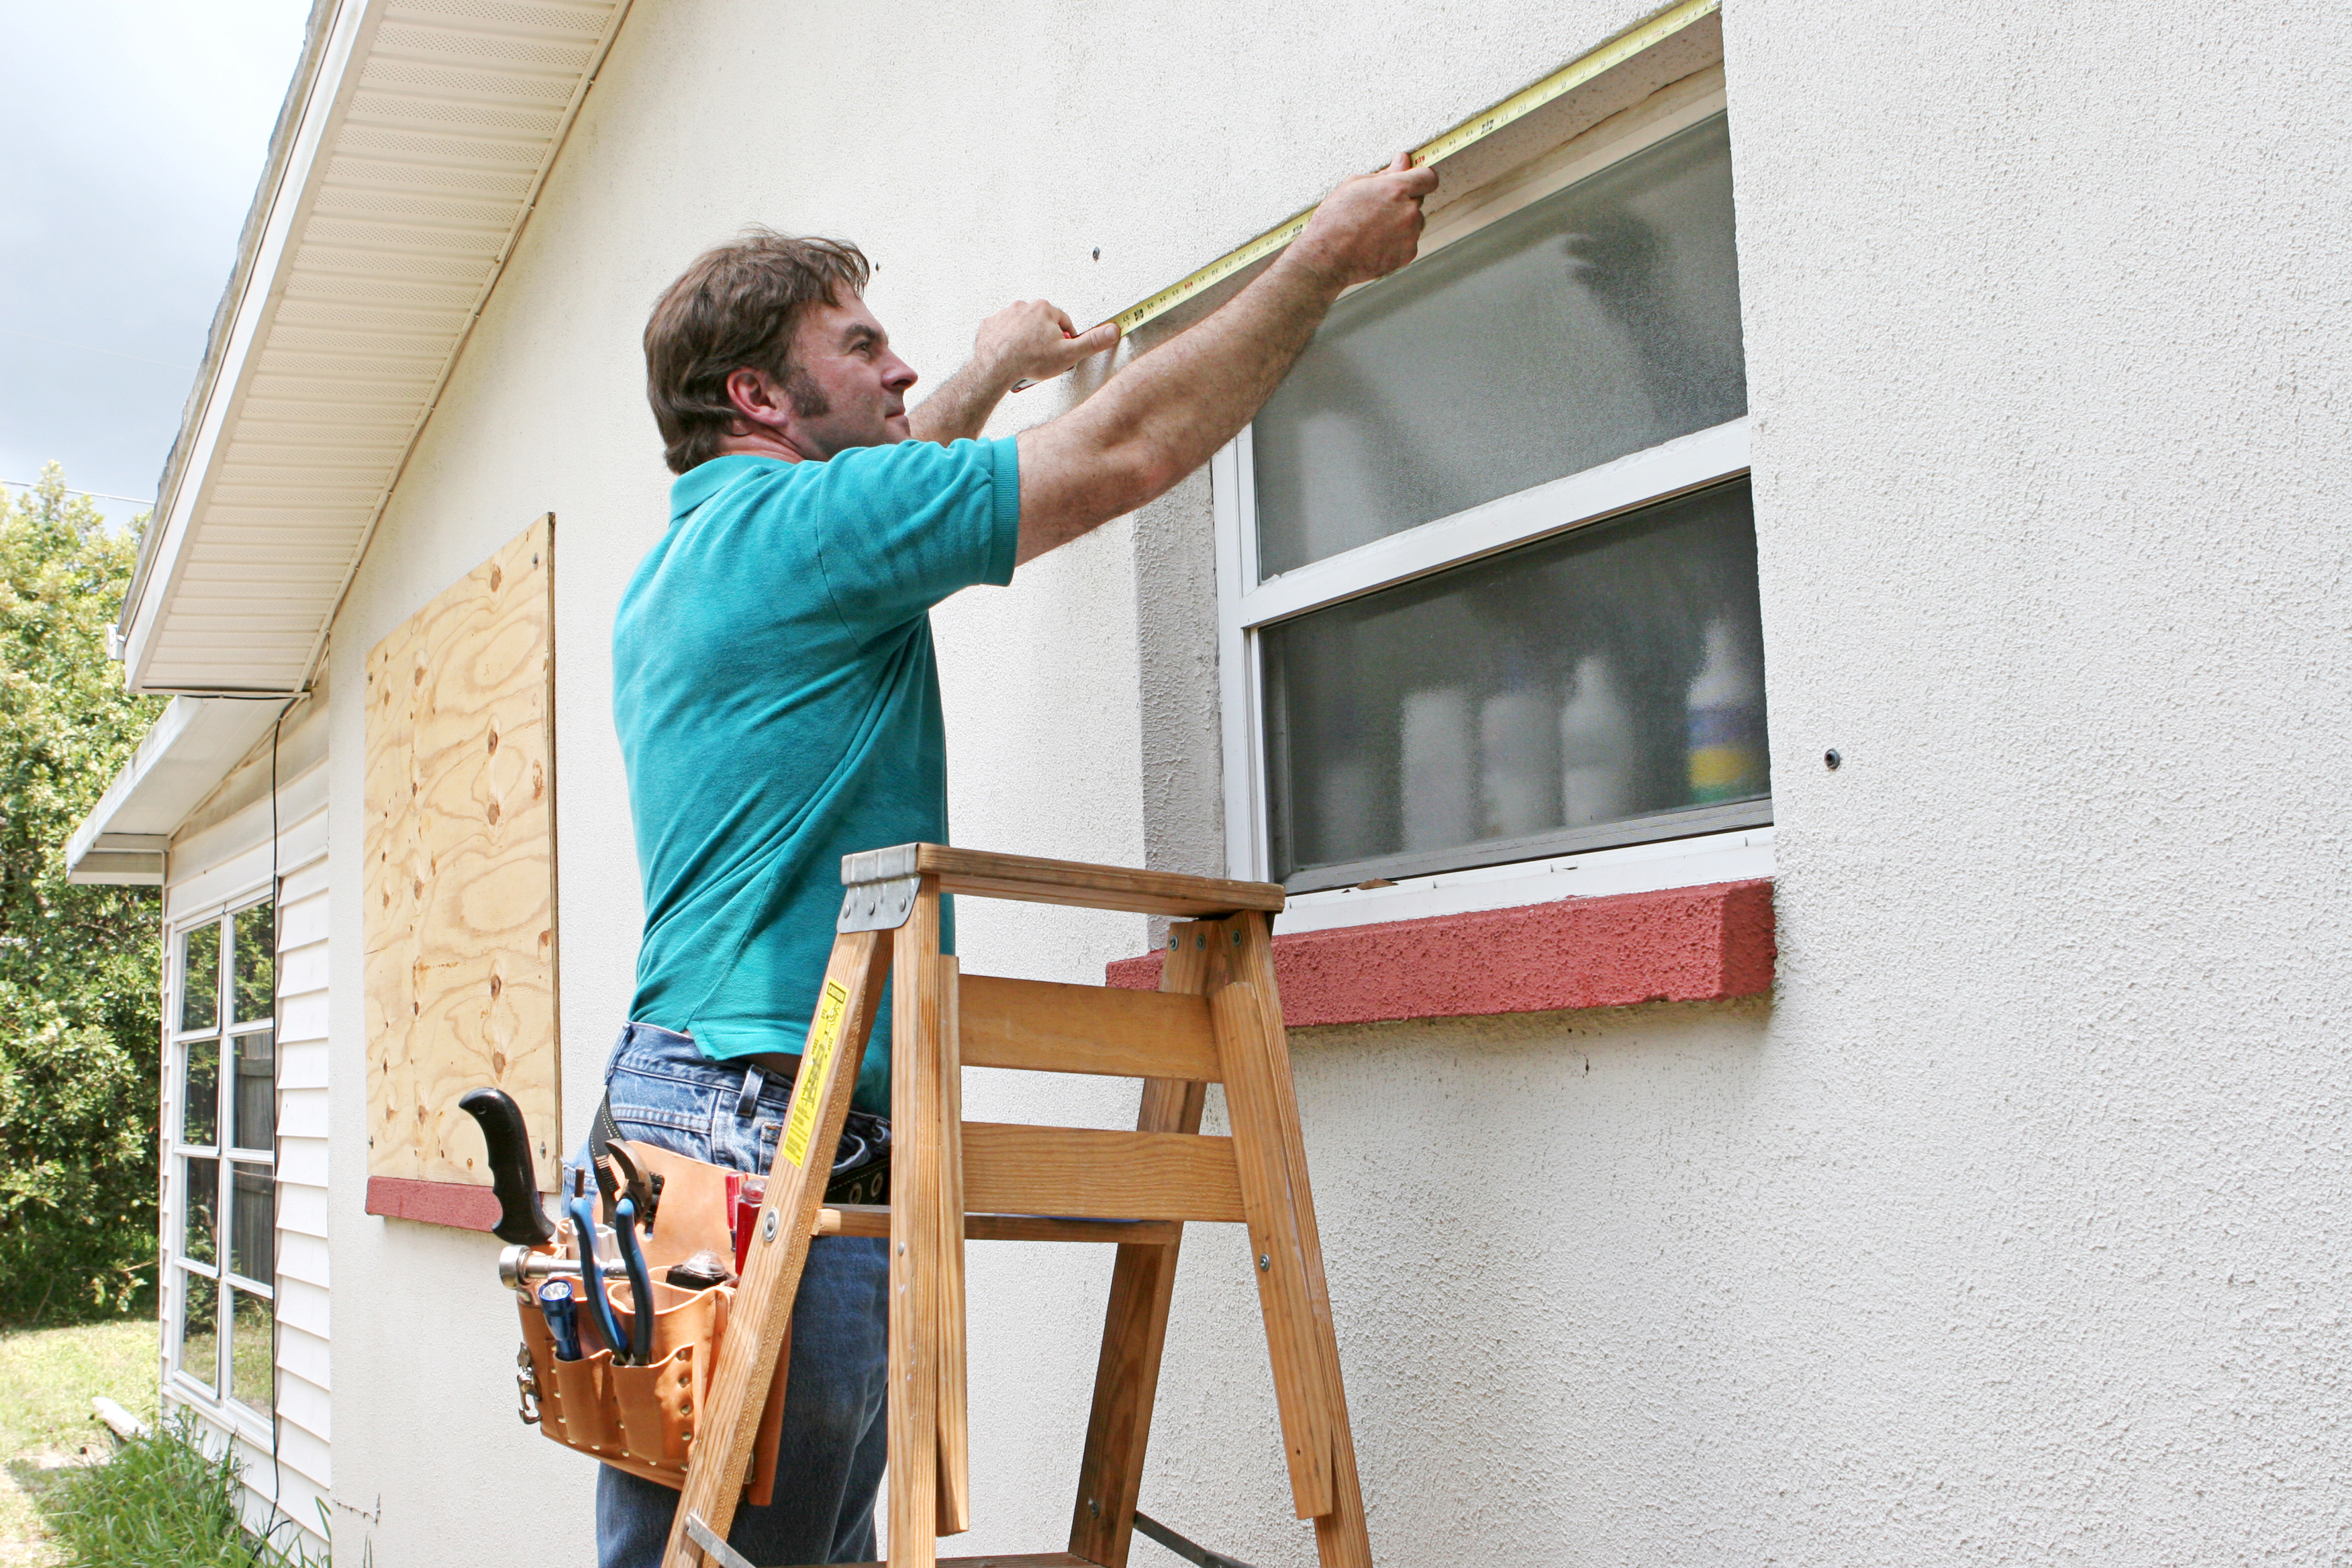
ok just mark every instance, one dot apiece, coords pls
pixel 778 706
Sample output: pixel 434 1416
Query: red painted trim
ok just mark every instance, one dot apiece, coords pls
pixel 1679 945
pixel 453 1203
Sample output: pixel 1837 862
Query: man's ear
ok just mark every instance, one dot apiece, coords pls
pixel 759 402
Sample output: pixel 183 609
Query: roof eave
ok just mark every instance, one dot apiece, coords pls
pixel 191 746
pixel 265 198
pixel 230 504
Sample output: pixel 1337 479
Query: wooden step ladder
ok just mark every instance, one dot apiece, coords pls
pixel 1216 1018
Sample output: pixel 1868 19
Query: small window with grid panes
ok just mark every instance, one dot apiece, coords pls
pixel 223 1140
pixel 1488 564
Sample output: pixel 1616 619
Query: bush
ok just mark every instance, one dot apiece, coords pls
pixel 80 1026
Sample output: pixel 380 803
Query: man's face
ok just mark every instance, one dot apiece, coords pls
pixel 848 389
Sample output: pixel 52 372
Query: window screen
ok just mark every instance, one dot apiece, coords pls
pixel 1603 319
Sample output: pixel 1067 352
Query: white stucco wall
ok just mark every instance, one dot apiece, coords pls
pixel 2011 1230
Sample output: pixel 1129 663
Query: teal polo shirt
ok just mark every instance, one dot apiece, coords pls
pixel 777 704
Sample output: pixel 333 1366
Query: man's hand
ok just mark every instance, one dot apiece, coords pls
pixel 1032 340
pixel 1028 340
pixel 1369 226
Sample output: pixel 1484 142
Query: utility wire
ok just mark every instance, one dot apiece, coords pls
pixel 94 495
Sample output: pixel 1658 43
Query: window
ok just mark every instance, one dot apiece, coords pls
pixel 1487 567
pixel 222 1144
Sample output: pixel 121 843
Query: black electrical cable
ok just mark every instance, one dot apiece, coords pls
pixel 277 1153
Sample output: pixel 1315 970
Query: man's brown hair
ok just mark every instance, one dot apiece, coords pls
pixel 738 308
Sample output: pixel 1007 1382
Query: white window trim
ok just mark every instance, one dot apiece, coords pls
pixel 222 1408
pixel 1247 604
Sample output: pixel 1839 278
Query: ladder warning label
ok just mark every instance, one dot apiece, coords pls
pixel 817 1062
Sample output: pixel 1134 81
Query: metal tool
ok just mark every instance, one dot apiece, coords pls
pixel 600 1304
pixel 1190 1551
pixel 521 1219
pixel 523 1267
pixel 562 1314
pixel 641 1281
pixel 1469 132
pixel 702 1536
pixel 632 1181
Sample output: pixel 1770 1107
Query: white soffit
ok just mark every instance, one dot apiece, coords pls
pixel 416 151
pixel 181 760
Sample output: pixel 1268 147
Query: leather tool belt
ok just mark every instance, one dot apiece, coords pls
pixel 641 1418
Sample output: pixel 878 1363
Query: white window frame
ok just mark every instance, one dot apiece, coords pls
pixel 1247 605
pixel 218 1402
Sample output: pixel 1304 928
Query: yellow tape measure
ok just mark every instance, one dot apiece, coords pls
pixel 1475 129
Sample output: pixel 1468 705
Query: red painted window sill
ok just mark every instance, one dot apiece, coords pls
pixel 453 1203
pixel 1679 945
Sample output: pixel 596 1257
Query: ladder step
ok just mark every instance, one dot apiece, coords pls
pixel 1031 1560
pixel 1084 1172
pixel 1038 882
pixel 874 1219
pixel 1040 1026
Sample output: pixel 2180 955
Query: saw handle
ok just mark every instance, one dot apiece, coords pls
pixel 521 1219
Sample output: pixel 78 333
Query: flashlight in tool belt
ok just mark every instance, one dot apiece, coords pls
pixel 562 1314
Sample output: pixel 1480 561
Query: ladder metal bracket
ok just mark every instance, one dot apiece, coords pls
pixel 1190 1551
pixel 879 865
pixel 702 1535
pixel 877 906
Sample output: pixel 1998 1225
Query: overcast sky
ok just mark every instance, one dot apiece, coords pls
pixel 131 135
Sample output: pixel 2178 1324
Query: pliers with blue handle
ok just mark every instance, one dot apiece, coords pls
pixel 592 1276
pixel 641 1279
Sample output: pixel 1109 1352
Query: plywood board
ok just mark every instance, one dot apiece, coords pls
pixel 459 921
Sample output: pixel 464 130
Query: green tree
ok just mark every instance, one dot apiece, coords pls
pixel 80 1031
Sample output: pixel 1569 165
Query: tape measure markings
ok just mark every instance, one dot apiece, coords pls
pixel 1470 132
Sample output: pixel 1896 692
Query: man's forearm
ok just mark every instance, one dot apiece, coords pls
pixel 959 408
pixel 1168 412
pixel 1185 402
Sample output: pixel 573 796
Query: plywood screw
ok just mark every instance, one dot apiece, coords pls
pixel 1171 941
pixel 1265 1261
pixel 768 1227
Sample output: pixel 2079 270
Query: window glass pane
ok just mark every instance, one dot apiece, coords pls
pixel 200 1092
pixel 255 958
pixel 1525 703
pixel 201 1204
pixel 1599 321
pixel 200 1328
pixel 253 1098
pixel 252 1355
pixel 253 1222
pixel 200 977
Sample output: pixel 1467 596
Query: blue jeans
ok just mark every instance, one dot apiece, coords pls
pixel 829 1457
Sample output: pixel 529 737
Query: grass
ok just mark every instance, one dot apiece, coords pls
pixel 160 1502
pixel 46 1378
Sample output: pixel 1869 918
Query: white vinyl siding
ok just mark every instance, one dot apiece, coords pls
pixel 303 1402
